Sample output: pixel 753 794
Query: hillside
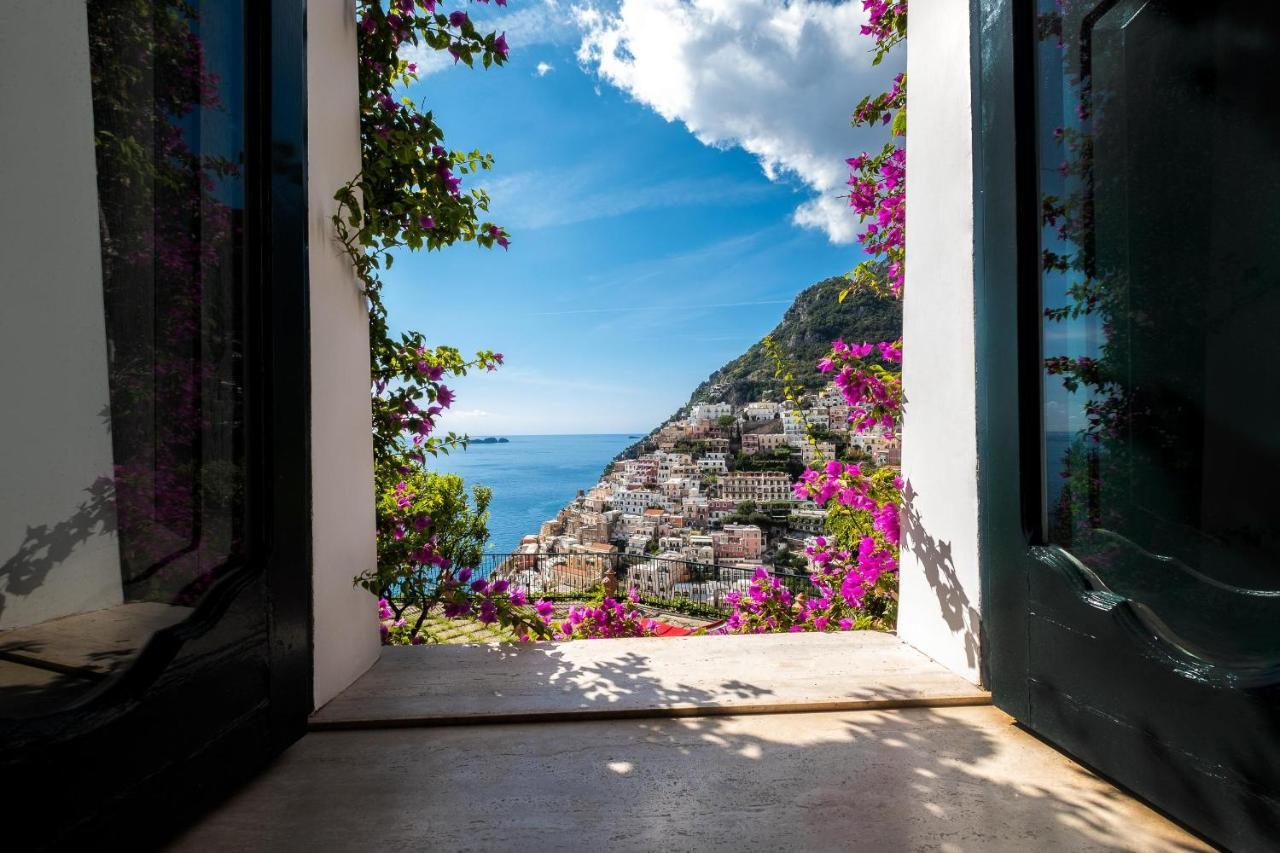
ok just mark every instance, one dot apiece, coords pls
pixel 808 327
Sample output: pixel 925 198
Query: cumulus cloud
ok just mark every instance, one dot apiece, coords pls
pixel 544 68
pixel 777 79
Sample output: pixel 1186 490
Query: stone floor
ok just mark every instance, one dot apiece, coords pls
pixel 674 745
pixel 945 779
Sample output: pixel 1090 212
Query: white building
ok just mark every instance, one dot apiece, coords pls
pixel 699 549
pixel 817 417
pixel 637 543
pixel 762 411
pixel 714 463
pixel 710 411
pixel 673 465
pixel 636 501
pixel 812 452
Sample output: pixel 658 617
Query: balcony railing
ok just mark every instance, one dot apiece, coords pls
pixel 658 580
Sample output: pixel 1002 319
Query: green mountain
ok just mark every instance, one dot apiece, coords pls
pixel 815 319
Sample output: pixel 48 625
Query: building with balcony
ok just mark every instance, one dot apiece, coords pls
pixel 811 452
pixel 761 411
pixel 738 542
pixel 753 443
pixel 758 486
pixel 720 508
pixel 710 411
pixel 714 463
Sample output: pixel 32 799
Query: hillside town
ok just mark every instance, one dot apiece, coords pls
pixel 713 486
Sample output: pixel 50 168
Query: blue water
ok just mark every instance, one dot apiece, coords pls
pixel 532 477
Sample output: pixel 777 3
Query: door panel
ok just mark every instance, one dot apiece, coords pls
pixel 1153 592
pixel 154 636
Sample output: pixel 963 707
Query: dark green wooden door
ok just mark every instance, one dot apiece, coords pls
pixel 155 568
pixel 1148 602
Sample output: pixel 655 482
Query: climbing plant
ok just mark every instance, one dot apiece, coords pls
pixel 409 196
pixel 855 575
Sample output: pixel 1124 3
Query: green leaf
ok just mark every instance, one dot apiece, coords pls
pixel 900 123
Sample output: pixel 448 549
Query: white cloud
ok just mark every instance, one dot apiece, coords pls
pixel 776 79
pixel 544 68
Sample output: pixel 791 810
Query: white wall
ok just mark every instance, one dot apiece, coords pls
pixel 54 442
pixel 940 563
pixel 345 618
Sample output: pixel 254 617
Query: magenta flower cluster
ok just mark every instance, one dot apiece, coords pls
pixel 409 190
pixel 839 585
pixel 869 378
pixel 402 18
pixel 611 619
pixel 768 606
pixel 843 580
pixel 867 375
pixel 877 193
pixel 490 601
pixel 886 22
pixel 410 395
pixel 869 381
pixel 393 627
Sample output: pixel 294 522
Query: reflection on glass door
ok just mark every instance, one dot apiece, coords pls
pixel 1159 177
pixel 125 457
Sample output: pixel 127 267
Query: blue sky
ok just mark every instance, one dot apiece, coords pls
pixel 668 171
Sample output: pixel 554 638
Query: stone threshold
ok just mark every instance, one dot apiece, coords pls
pixel 643 678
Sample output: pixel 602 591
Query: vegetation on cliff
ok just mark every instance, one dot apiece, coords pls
pixel 814 320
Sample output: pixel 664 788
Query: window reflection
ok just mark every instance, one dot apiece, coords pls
pixel 128 500
pixel 1159 169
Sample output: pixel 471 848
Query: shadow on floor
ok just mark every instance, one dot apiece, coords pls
pixel 952 779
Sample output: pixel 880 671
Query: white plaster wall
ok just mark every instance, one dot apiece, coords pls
pixel 54 442
pixel 940 605
pixel 345 618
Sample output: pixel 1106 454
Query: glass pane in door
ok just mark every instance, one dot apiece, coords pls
pixel 122 344
pixel 1159 152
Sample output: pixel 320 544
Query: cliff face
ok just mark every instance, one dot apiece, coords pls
pixel 808 327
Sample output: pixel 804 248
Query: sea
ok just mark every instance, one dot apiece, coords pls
pixel 532 477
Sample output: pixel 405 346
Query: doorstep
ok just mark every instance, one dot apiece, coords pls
pixel 649 677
